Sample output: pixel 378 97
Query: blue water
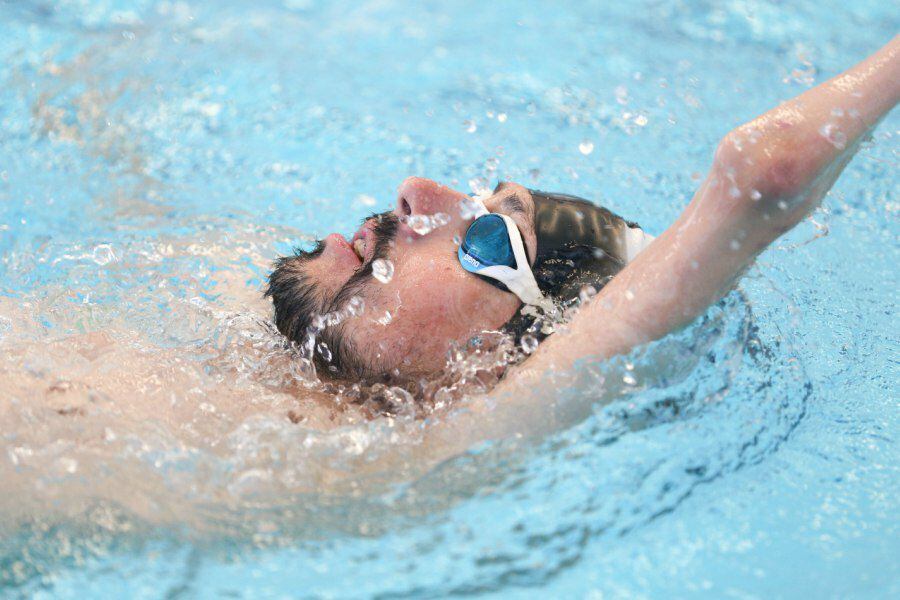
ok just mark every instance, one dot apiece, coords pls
pixel 155 157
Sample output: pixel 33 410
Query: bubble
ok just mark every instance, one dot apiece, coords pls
pixel 640 120
pixel 529 343
pixel 835 136
pixel 755 195
pixel 629 379
pixel 324 351
pixel 103 254
pixel 382 270
pixel 366 200
pixel 501 117
pixel 586 147
pixel 470 126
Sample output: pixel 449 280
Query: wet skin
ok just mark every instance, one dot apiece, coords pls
pixel 432 302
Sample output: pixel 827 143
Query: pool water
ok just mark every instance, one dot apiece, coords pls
pixel 158 440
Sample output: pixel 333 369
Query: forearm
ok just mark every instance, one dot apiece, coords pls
pixel 778 166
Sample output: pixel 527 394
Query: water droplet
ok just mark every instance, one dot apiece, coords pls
pixel 640 120
pixel 103 254
pixel 366 200
pixel 586 147
pixel 629 295
pixel 69 465
pixel 586 293
pixel 425 224
pixel 835 136
pixel 470 126
pixel 755 195
pixel 734 245
pixel 502 117
pixel 382 270
pixel 529 343
pixel 355 306
pixel 324 351
pixel 470 208
pixel 629 380
pixel 837 112
pixel 480 186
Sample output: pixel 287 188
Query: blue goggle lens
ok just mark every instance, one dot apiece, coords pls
pixel 487 240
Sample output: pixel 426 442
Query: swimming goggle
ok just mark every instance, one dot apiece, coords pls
pixel 493 249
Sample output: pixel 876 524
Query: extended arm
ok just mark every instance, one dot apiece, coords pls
pixel 766 177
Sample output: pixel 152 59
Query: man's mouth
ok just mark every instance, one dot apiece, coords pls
pixel 359 246
pixel 363 242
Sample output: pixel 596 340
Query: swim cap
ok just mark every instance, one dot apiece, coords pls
pixel 579 244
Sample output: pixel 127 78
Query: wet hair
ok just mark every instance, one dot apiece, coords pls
pixel 298 302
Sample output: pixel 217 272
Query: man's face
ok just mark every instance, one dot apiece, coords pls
pixel 410 320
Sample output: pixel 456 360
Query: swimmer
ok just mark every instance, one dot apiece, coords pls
pixel 388 304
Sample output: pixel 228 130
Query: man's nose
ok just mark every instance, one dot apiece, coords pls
pixel 419 196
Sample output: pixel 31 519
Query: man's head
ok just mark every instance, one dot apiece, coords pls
pixel 411 316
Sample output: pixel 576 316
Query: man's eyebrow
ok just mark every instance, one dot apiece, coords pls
pixel 513 203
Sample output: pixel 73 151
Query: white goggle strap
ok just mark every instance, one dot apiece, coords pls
pixel 520 280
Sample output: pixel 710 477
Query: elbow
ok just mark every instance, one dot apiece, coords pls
pixel 761 168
